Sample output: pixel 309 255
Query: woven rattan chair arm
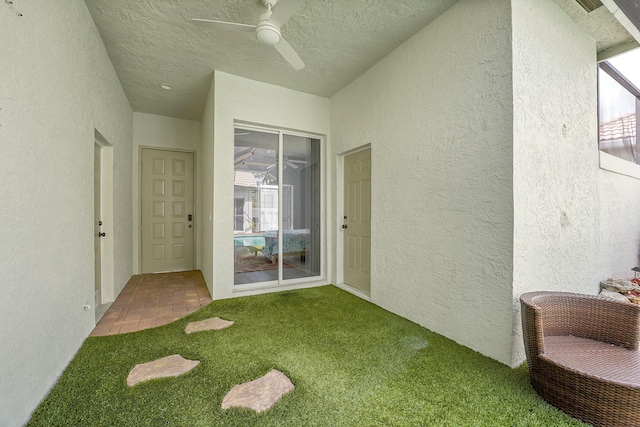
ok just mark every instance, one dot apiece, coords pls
pixel 585 316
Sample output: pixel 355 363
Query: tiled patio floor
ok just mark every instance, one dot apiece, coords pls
pixel 150 300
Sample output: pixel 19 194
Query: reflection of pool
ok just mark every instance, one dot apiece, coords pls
pixel 256 240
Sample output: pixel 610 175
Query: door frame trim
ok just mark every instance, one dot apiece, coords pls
pixel 324 226
pixel 107 250
pixel 196 206
pixel 339 261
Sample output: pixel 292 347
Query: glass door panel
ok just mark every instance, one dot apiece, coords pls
pixel 269 210
pixel 255 190
pixel 300 207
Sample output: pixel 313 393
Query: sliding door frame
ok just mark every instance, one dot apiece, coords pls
pixel 281 132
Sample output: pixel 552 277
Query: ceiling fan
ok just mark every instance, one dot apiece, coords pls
pixel 268 29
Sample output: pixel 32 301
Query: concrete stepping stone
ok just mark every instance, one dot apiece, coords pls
pixel 215 323
pixel 260 394
pixel 170 366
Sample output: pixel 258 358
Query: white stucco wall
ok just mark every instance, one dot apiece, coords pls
pixel 153 131
pixel 253 102
pixel 206 189
pixel 437 113
pixel 57 86
pixel 555 156
pixel 619 225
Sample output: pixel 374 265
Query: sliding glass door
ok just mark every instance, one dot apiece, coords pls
pixel 277 206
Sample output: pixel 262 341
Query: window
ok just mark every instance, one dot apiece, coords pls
pixel 238 224
pixel 619 106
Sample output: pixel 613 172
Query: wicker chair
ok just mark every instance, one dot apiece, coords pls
pixel 583 356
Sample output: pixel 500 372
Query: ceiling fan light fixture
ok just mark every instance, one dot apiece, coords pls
pixel 268 33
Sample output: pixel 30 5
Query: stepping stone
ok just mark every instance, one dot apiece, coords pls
pixel 170 366
pixel 215 323
pixel 260 394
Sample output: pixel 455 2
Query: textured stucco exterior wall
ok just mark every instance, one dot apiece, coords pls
pixel 437 113
pixel 206 189
pixel 57 86
pixel 555 156
pixel 237 98
pixel 619 225
pixel 153 131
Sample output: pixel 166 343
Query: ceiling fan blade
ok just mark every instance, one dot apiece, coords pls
pixel 226 26
pixel 257 164
pixel 244 156
pixel 288 163
pixel 284 10
pixel 290 55
pixel 239 151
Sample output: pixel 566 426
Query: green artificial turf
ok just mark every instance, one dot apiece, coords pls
pixel 352 363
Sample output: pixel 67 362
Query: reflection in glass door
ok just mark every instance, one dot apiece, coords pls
pixel 269 210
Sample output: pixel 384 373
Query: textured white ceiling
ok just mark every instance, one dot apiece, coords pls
pixel 600 24
pixel 153 41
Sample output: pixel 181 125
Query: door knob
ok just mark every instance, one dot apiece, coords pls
pixel 102 234
pixel 344 225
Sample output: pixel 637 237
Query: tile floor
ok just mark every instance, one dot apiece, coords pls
pixel 150 300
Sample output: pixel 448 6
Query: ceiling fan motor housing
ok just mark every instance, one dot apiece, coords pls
pixel 268 33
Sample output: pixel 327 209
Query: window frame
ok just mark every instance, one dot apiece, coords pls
pixel 608 161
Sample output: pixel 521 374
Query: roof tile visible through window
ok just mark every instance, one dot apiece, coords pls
pixel 621 127
pixel 245 179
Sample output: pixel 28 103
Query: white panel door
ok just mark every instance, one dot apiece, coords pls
pixel 357 220
pixel 167 199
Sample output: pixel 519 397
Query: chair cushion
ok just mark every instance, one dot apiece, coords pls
pixel 596 359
